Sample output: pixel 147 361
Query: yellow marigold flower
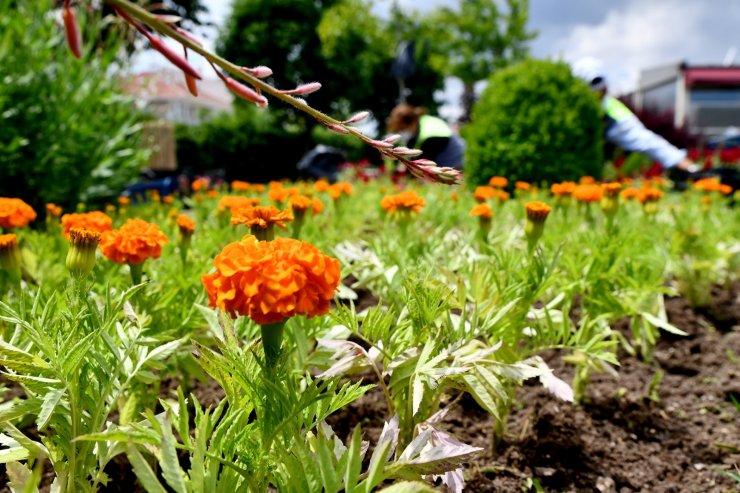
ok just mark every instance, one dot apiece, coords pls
pixel 271 281
pixel 523 186
pixel 186 225
pixel 537 211
pixel 262 217
pixel 83 244
pixel 15 213
pixel 483 193
pixel 588 193
pixel 498 182
pixel 321 186
pixel 91 221
pixel 199 184
pixel 482 210
pixel 136 241
pixel 340 188
pixel 240 186
pixel 53 210
pixel 407 201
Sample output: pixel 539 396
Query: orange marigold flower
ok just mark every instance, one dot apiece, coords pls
pixel 503 196
pixel 53 210
pixel 498 182
pixel 212 194
pixel 611 189
pixel 630 193
pixel 240 186
pixel 482 210
pixel 318 206
pixel 91 221
pixel 258 187
pixel 483 193
pixel 124 201
pixel 321 186
pixel 186 225
pixel 280 195
pixel 232 202
pixel 563 189
pixel 649 195
pixel 454 196
pixel 407 201
pixel 261 216
pixel 168 199
pixel 588 193
pixel 537 211
pixel 587 180
pixel 136 241
pixel 523 186
pixel 275 184
pixel 10 256
pixel 300 204
pixel 339 189
pixel 199 184
pixel 724 189
pixel 271 281
pixel 15 213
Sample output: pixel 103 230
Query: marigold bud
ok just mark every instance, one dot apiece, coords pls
pixel 83 244
pixel 71 30
pixel 10 255
pixel 534 226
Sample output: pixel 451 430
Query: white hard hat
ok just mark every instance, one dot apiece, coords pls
pixel 592 71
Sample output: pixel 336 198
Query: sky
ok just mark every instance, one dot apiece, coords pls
pixel 628 35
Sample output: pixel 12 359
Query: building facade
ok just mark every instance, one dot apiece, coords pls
pixel 705 100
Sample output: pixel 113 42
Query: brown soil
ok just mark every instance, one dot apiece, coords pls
pixel 619 441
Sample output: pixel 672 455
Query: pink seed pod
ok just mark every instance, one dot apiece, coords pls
pixel 190 81
pixel 392 139
pixel 405 151
pixel 380 144
pixel 168 19
pixel 423 162
pixel 189 36
pixel 71 30
pixel 173 57
pixel 358 118
pixel 303 89
pixel 260 72
pixel 245 93
pixel 338 129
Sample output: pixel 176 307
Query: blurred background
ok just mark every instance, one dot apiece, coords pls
pixel 84 130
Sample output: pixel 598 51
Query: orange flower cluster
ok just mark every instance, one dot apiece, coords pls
pixel 136 241
pixel 15 213
pixel 523 186
pixel 537 211
pixel 407 201
pixel 712 185
pixel 232 202
pixel 611 189
pixel 300 204
pixel 564 189
pixel 321 186
pixel 587 180
pixel 53 210
pixel 258 188
pixel 483 193
pixel 482 210
pixel 498 182
pixel 339 189
pixel 92 221
pixel 280 195
pixel 630 193
pixel 240 186
pixel 263 217
pixel 271 281
pixel 588 193
pixel 186 225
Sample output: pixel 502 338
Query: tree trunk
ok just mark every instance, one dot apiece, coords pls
pixel 467 100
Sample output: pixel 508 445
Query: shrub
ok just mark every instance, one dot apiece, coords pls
pixel 534 122
pixel 66 133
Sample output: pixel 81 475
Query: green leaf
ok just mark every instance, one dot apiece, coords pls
pixel 51 400
pixel 354 460
pixel 171 470
pixel 409 487
pixel 144 473
pixel 663 324
pixel 13 454
pixel 377 464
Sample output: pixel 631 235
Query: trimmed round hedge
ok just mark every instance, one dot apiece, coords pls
pixel 535 122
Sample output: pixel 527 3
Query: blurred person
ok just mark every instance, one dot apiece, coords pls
pixel 432 135
pixel 624 129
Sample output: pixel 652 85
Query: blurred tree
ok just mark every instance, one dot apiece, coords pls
pixel 340 43
pixel 476 39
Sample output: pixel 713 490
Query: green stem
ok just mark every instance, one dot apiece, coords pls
pixel 272 338
pixel 263 234
pixel 136 271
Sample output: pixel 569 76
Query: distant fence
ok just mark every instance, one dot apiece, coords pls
pixel 160 137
